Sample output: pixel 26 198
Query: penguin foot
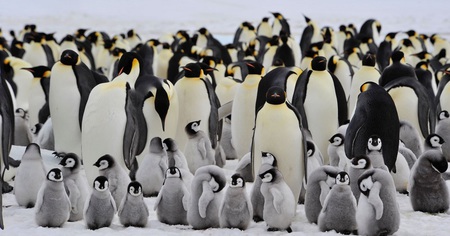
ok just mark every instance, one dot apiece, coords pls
pixel 273 229
pixel 257 219
pixel 6 188
pixel 289 230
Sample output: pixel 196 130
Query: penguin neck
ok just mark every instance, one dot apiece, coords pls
pixel 321 73
pixel 252 80
pixel 55 186
pixel 101 194
pixel 275 106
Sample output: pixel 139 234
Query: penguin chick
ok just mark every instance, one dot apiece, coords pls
pixel 171 205
pixel 336 151
pixel 75 184
pixel 236 210
pixel 374 151
pixel 443 130
pixel 52 204
pixel 152 168
pixel 176 158
pixel 433 141
pixel 279 201
pixel 198 150
pixel 30 175
pixel 117 177
pixel 339 209
pixel 358 165
pixel 428 192
pixel 100 208
pixel 132 210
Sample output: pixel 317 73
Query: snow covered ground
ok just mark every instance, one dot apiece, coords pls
pixel 221 17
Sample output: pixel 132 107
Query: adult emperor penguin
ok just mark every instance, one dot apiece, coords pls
pixel 198 150
pixel 321 95
pixel 236 209
pixel 276 120
pixel 318 187
pixel 342 69
pixel 100 208
pixel 243 117
pixel 358 166
pixel 37 52
pixel 311 34
pixel 378 210
pixel 380 117
pixel 396 70
pixel 75 184
pixel 21 78
pixel 280 24
pixel 52 207
pixel 279 201
pixel 30 175
pixel 153 168
pixel 38 108
pixel 339 209
pixel 385 50
pixel 206 197
pixel 443 130
pixel 264 28
pixel 132 210
pixel 428 192
pixel 69 90
pixel 171 205
pixel 371 28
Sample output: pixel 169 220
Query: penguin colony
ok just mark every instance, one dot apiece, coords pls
pixel 132 118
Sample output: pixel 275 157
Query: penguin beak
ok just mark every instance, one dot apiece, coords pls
pixel 121 71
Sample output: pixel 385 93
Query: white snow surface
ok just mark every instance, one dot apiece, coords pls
pixel 221 17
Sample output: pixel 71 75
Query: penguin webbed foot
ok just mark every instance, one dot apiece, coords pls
pixel 6 188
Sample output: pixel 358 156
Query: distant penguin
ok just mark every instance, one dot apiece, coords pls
pixel 385 50
pixel 371 28
pixel 162 61
pixel 30 175
pixel 311 34
pixel 443 130
pixel 396 70
pixel 117 177
pixel 280 24
pixel 206 197
pixel 132 210
pixel 336 152
pixel 37 52
pixel 264 28
pixel 339 209
pixel 198 150
pixel 318 186
pixel 52 207
pixel 378 210
pixel 172 202
pixel 279 201
pixel 433 141
pixel 153 168
pixel 428 192
pixel 236 209
pixel 75 184
pixel 284 52
pixel 100 207
pixel 342 69
pixel 358 165
pixel 21 78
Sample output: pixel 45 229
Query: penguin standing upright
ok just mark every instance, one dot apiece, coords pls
pixel 37 53
pixel 396 70
pixel 358 165
pixel 385 50
pixel 443 130
pixel 198 150
pixel 38 108
pixel 100 208
pixel 264 28
pixel 336 152
pixel 280 24
pixel 311 34
pixel 21 78
pixel 132 210
pixel 342 69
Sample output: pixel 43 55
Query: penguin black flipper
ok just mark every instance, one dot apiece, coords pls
pixel 214 124
pixel 299 117
pixel 300 95
pixel 341 99
pixel 383 54
pixel 147 54
pixel 285 53
pixel 425 78
pixel 44 113
pixel 162 104
pixel 305 40
pixel 85 83
pixel 99 78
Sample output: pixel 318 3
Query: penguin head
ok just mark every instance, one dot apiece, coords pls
pixel 360 162
pixel 104 162
pixel 237 181
pixel 193 70
pixel 342 178
pixel 277 15
pixel 128 62
pixel 369 60
pixel 39 71
pixel 135 188
pixel 310 148
pixel 337 140
pixel 390 36
pixel 367 86
pixel 268 158
pixel 170 145
pixel 70 161
pixel 365 182
pixel 33 147
pixel 193 127
pixel 69 57
pixel 411 33
pixel 270 175
pixel 434 140
pixel 173 172
pixel 319 63
pixel 374 143
pixel 443 115
pixel 255 68
pixel 68 38
pixel 276 95
pixel 156 145
pixel 55 175
pixel 36 128
pixel 397 56
pixel 101 184
pixel 265 19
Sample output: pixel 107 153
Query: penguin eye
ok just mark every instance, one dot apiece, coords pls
pixel 131 189
pixel 239 181
pixel 309 153
pixel 346 178
pixel 267 175
pixel 379 141
pixel 370 141
pixel 361 162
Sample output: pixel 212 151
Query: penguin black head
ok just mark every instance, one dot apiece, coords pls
pixel 70 161
pixel 374 143
pixel 275 95
pixel 269 176
pixel 390 36
pixel 269 158
pixel 360 162
pixel 365 182
pixel 434 140
pixel 369 60
pixel 69 57
pixel 342 178
pixel 203 31
pixel 39 71
pixel 193 127
pixel 310 148
pixel 319 63
pixel 443 115
pixel 104 162
pixel 193 70
pixel 68 38
pixel 307 19
pixel 101 184
pixel 131 33
pixel 156 145
pixel 170 145
pixel 237 181
pixel 173 172
pixel 128 61
pixel 36 128
pixel 135 188
pixel 55 175
pixel 254 68
pixel 337 140
pixel 265 19
pixel 277 15
pixel 367 85
pixel 422 65
pixel 411 33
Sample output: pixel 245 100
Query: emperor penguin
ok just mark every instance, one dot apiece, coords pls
pixel 433 141
pixel 264 28
pixel 443 130
pixel 280 24
pixel 22 134
pixel 132 209
pixel 243 117
pixel 21 78
pixel 385 50
pixel 275 121
pixel 130 66
pixel 100 207
pixel 30 175
pixel 371 28
pixel 172 202
pixel 206 196
pixel 396 70
pixel 75 184
pixel 118 178
pixel 198 150
pixel 236 209
pixel 428 191
pixel 358 166
pixel 336 152
pixel 318 186
pixel 162 61
pixel 52 207
pixel 342 69
pixel 375 151
pixel 37 52
pixel 72 82
pixel 378 210
pixel 339 209
pixel 279 201
pixel 311 34
pixel 152 168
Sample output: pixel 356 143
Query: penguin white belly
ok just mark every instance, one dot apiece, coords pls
pixel 64 101
pixel 365 215
pixel 343 74
pixel 401 176
pixel 35 102
pixel 276 132
pixel 445 98
pixel 35 55
pixel 321 111
pixel 226 89
pixel 162 63
pixel 361 76
pixel 193 105
pixel 23 79
pixel 406 103
pixel 268 56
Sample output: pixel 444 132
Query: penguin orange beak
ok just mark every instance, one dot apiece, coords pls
pixel 121 71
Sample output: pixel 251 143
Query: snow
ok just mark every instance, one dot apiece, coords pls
pixel 222 17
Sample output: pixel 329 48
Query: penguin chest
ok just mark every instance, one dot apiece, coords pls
pixel 36 101
pixel 406 102
pixel 444 100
